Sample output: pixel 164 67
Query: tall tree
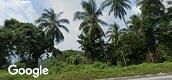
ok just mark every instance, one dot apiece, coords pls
pixel 22 39
pixel 91 23
pixel 114 36
pixel 118 8
pixel 151 12
pixel 52 23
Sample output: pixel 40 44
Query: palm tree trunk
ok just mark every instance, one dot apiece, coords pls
pixel 125 22
pixel 125 63
pixel 89 57
pixel 104 52
pixel 152 57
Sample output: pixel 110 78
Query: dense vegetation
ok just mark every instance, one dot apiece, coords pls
pixel 147 38
pixel 65 70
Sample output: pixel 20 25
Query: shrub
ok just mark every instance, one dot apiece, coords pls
pixel 21 65
pixel 100 65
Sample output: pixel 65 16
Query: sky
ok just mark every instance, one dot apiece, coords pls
pixel 30 10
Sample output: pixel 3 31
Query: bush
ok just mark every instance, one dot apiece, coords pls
pixel 75 59
pixel 31 63
pixel 100 65
pixel 21 65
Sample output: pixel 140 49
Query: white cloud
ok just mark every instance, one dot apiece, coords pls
pixel 21 10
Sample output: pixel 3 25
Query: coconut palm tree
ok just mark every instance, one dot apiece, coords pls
pixel 91 29
pixel 135 23
pixel 118 8
pixel 90 24
pixel 51 23
pixel 113 33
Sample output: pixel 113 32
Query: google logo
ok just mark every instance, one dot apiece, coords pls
pixel 36 72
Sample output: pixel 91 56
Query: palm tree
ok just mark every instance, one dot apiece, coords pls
pixel 85 45
pixel 51 22
pixel 90 27
pixel 118 7
pixel 113 33
pixel 135 23
pixel 90 24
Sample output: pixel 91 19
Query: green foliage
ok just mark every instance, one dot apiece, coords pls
pixel 4 46
pixel 31 63
pixel 92 74
pixel 20 65
pixel 152 14
pixel 67 57
pixel 100 65
pixel 22 39
pixel 51 22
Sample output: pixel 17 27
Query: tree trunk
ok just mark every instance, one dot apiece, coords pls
pixel 125 22
pixel 154 55
pixel 151 57
pixel 103 50
pixel 125 63
pixel 89 57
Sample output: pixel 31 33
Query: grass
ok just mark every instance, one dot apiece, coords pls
pixel 117 72
pixel 94 71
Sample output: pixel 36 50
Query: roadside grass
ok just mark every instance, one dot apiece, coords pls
pixel 94 71
pixel 3 73
pixel 142 69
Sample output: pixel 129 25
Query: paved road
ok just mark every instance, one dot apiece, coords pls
pixel 165 77
pixel 161 76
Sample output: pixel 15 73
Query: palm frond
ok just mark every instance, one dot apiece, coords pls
pixel 84 24
pixel 139 2
pixel 59 36
pixel 66 21
pixel 87 8
pixel 127 6
pixel 59 15
pixel 105 4
pixel 47 11
pixel 93 5
pixel 103 22
pixel 45 15
pixel 99 12
pixel 79 15
pixel 63 27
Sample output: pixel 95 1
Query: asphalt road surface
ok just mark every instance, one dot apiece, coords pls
pixel 164 77
pixel 161 76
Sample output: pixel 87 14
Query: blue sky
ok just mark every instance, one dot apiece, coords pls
pixel 30 10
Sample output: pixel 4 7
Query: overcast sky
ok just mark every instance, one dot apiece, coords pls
pixel 30 10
